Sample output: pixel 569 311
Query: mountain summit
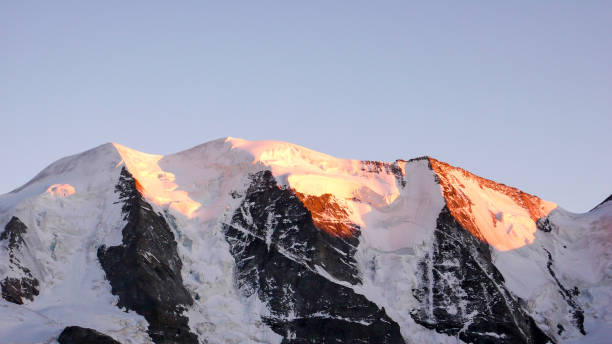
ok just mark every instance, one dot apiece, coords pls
pixel 237 241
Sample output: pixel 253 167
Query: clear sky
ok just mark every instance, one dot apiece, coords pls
pixel 518 92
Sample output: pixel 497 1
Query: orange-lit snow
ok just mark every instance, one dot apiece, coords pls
pixel 503 219
pixel 313 173
pixel 396 210
pixel 502 216
pixel 61 190
pixel 156 185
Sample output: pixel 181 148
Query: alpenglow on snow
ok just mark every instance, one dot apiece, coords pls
pixel 237 241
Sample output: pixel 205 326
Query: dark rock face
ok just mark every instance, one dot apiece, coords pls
pixel 145 271
pixel 568 295
pixel 280 256
pixel 81 335
pixel 385 167
pixel 14 289
pixel 544 224
pixel 13 232
pixel 463 294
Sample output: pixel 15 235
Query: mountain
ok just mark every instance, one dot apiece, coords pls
pixel 235 241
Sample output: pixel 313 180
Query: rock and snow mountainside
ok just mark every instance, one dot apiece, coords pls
pixel 266 242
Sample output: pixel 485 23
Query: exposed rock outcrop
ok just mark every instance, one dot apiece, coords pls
pixel 25 286
pixel 577 313
pixel 82 335
pixel 145 271
pixel 544 224
pixel 463 294
pixel 385 167
pixel 281 257
pixel 13 232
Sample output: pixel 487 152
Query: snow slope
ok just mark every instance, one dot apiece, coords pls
pixel 581 246
pixel 70 209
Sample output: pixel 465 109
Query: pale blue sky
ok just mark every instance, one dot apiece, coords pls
pixel 520 93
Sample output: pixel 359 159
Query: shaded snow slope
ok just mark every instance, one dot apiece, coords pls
pixel 70 209
pixel 566 274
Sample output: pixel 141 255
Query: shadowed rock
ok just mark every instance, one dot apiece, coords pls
pixel 461 292
pixel 280 256
pixel 16 289
pixel 81 335
pixel 145 270
pixel 13 232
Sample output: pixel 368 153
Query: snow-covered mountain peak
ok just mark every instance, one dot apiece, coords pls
pixel 187 180
pixel 265 241
pixel 190 181
pixel 502 216
pixel 283 154
pixel 87 172
pixel 86 164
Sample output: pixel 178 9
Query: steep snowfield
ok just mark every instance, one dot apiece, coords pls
pixel 498 214
pixel 70 209
pixel 394 221
pixel 394 238
pixel 581 247
pixel 314 173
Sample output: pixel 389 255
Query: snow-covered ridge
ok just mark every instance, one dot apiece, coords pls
pixel 70 209
pixel 185 183
pixel 503 216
